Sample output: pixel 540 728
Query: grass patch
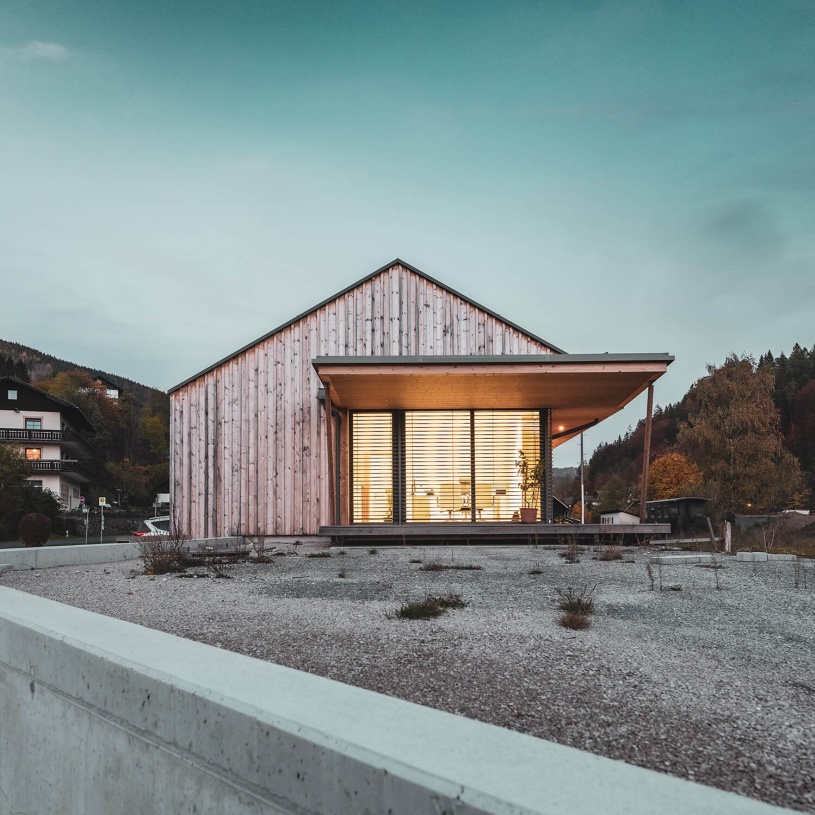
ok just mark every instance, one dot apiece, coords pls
pixel 576 601
pixel 610 553
pixel 577 622
pixel 318 554
pixel 373 551
pixel 341 552
pixel 429 608
pixel 536 571
pixel 342 573
pixel 443 567
pixel 415 560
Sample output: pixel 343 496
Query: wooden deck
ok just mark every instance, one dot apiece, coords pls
pixel 490 533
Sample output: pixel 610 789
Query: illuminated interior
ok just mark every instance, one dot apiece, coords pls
pixel 372 467
pixel 451 466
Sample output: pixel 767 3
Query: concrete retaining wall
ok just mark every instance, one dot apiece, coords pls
pixel 101 716
pixel 48 557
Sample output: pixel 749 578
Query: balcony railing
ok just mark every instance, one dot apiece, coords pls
pixel 59 465
pixel 16 434
pixel 60 436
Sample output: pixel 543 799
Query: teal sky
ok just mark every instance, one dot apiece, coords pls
pixel 177 178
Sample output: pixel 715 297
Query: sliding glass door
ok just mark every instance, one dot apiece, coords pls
pixel 441 466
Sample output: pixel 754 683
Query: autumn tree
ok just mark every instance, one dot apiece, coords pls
pixel 79 388
pixel 672 476
pixel 733 435
pixel 615 494
pixel 18 496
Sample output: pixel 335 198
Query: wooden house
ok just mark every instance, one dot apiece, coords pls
pixel 395 406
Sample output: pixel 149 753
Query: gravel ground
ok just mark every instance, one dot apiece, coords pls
pixel 714 685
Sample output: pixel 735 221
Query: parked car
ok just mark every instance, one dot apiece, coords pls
pixel 154 526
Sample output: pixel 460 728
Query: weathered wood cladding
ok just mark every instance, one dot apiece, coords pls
pixel 249 446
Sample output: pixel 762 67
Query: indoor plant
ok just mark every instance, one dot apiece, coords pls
pixel 531 475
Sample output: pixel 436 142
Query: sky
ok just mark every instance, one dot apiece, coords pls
pixel 178 178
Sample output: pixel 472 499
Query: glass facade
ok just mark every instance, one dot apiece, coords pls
pixel 441 466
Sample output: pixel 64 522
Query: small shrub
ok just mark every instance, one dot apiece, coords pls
pixel 576 601
pixel 341 552
pixel 577 622
pixel 373 551
pixel 219 566
pixel 429 607
pixel 34 529
pixel 572 552
pixel 162 554
pixel 536 571
pixel 258 550
pixel 342 573
pixel 324 553
pixel 611 553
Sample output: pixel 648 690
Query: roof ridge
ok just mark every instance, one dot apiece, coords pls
pixel 395 262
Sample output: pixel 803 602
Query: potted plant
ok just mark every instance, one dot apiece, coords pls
pixel 531 475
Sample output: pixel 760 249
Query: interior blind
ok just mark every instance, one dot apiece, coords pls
pixel 372 467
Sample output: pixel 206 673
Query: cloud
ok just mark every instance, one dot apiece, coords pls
pixel 37 50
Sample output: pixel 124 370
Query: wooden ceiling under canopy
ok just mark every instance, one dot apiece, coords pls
pixel 581 389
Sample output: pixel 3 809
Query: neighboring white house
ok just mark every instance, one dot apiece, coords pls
pixel 619 516
pixel 112 390
pixel 48 430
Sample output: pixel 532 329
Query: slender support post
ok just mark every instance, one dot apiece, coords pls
pixel 547 508
pixel 646 455
pixel 582 487
pixel 332 486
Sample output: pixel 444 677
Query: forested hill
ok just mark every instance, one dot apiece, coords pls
pixel 791 388
pixel 132 432
pixel 42 366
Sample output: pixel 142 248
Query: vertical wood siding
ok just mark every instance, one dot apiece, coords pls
pixel 249 437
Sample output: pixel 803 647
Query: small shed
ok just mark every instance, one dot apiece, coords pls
pixel 619 517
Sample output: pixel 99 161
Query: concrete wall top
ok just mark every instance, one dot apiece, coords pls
pixel 49 557
pixel 288 741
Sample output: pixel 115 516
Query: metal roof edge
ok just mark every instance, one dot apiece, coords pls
pixel 487 359
pixel 394 262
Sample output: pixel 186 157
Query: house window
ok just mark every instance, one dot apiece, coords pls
pixel 33 424
pixel 33 453
pixel 12 394
pixel 35 483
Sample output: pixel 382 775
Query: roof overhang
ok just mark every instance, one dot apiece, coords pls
pixel 581 389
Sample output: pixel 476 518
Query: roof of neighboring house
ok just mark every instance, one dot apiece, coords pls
pixel 108 383
pixel 72 413
pixel 395 262
pixel 619 512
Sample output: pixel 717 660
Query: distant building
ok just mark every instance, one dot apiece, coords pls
pixel 687 516
pixel 111 388
pixel 619 517
pixel 48 431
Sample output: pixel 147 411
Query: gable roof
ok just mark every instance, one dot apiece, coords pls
pixel 346 290
pixel 74 414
